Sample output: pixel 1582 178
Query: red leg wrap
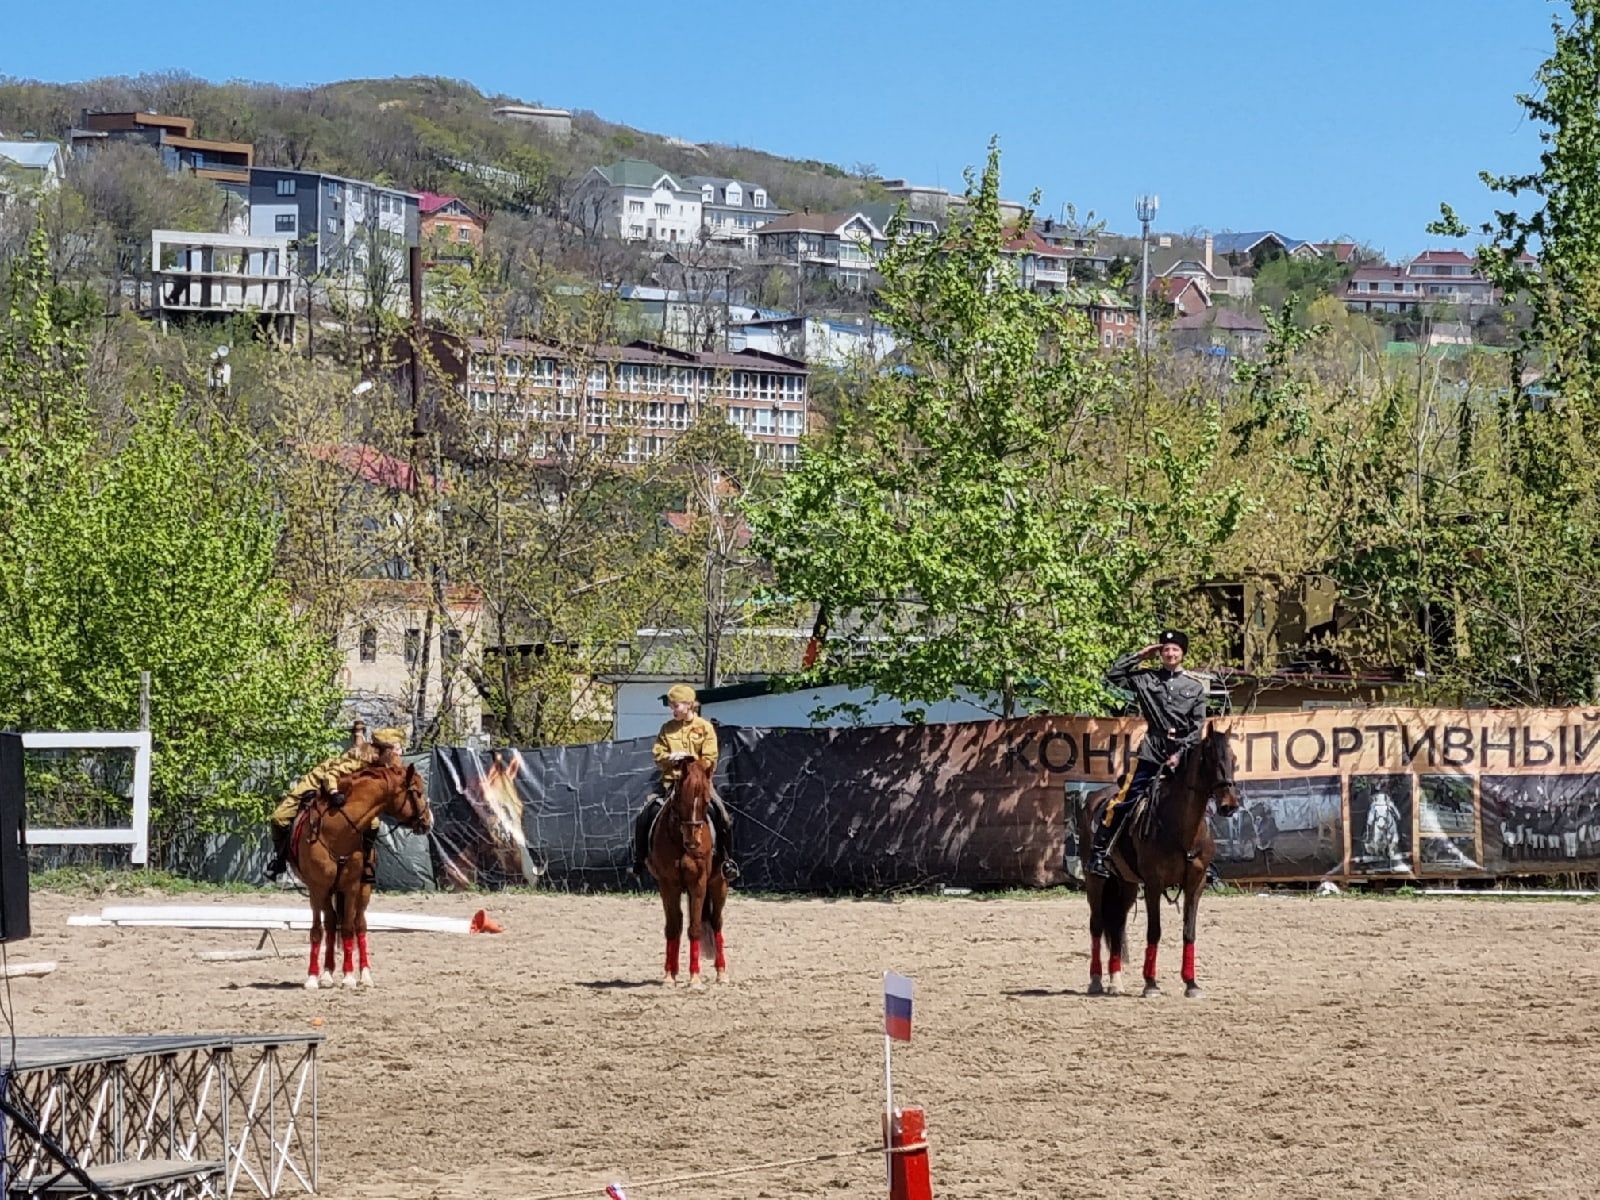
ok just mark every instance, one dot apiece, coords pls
pixel 1094 957
pixel 672 957
pixel 1150 963
pixel 361 948
pixel 694 956
pixel 1116 964
pixel 722 957
pixel 316 953
pixel 349 956
pixel 1188 962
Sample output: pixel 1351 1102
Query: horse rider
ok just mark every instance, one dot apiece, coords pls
pixel 686 735
pixel 1173 704
pixel 323 779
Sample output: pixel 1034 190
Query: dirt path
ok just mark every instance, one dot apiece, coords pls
pixel 1371 1048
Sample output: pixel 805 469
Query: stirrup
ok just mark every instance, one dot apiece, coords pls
pixel 730 870
pixel 1099 865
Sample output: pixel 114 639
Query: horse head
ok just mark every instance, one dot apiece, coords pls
pixel 1217 763
pixel 693 799
pixel 407 803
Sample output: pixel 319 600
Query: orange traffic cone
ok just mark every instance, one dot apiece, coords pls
pixel 482 922
pixel 908 1156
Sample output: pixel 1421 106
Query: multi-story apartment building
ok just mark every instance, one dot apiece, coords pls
pixel 637 202
pixel 627 403
pixel 732 210
pixel 1450 277
pixel 837 246
pixel 348 233
pixel 1382 290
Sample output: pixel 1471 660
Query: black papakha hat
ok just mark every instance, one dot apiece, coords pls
pixel 1172 637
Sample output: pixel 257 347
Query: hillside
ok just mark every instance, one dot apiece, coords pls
pixel 416 133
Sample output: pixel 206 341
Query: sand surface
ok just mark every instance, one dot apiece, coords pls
pixel 1357 1047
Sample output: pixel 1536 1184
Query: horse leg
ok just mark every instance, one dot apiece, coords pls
pixel 697 906
pixel 1117 906
pixel 316 942
pixel 363 899
pixel 1097 924
pixel 330 923
pixel 347 934
pixel 1152 940
pixel 1191 919
pixel 716 902
pixel 671 901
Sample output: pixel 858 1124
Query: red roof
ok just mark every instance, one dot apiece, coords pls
pixel 369 464
pixel 1454 257
pixel 1029 242
pixel 432 202
pixel 1342 251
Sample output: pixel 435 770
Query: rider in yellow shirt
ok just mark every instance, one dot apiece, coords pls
pixel 686 736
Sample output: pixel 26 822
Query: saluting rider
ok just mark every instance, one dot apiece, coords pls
pixel 1173 704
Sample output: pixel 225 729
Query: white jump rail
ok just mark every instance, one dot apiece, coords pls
pixel 137 835
pixel 256 917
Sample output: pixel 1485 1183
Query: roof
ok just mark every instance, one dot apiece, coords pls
pixel 1342 251
pixel 36 155
pixel 819 222
pixel 432 202
pixel 1093 297
pixel 635 172
pixel 1452 257
pixel 1170 287
pixel 1244 243
pixel 1030 241
pixel 719 185
pixel 881 212
pixel 1365 273
pixel 650 353
pixel 367 463
pixel 1229 320
pixel 364 183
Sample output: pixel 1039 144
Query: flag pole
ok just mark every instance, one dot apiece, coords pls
pixel 888 1101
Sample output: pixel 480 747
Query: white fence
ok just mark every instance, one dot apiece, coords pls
pixel 137 836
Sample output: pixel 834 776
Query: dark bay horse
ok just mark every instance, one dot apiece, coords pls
pixel 683 861
pixel 1171 852
pixel 330 854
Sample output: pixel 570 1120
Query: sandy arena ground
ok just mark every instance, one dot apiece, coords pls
pixel 1357 1047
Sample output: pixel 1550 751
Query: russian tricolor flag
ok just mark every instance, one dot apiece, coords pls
pixel 897 1006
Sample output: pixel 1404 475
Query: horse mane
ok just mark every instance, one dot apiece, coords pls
pixel 372 770
pixel 695 784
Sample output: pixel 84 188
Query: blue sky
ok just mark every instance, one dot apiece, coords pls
pixel 1317 119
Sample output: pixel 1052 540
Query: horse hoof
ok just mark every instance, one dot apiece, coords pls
pixel 1193 992
pixel 668 980
pixel 1096 988
pixel 722 975
pixel 328 981
pixel 696 984
pixel 1151 989
pixel 1114 988
pixel 311 983
pixel 351 980
pixel 366 976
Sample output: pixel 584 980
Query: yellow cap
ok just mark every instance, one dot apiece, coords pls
pixel 680 692
pixel 390 737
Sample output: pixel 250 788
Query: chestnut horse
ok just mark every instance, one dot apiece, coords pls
pixel 683 861
pixel 1171 850
pixel 331 857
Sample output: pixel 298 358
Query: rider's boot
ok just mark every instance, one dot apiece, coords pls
pixel 280 852
pixel 1100 848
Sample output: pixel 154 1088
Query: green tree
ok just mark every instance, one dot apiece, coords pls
pixel 956 527
pixel 151 549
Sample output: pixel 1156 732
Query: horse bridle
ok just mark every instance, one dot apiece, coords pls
pixel 419 809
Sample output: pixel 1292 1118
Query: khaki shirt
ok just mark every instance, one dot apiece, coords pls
pixel 697 736
pixel 325 775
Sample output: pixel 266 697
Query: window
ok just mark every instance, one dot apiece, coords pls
pixel 286 187
pixel 413 646
pixel 663 209
pixel 636 206
pixel 758 198
pixel 369 644
pixel 333 190
pixel 463 233
pixel 333 224
pixel 450 648
pixel 283 223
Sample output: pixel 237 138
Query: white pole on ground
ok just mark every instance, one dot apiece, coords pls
pixel 888 1101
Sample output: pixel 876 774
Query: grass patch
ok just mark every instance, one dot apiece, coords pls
pixel 102 881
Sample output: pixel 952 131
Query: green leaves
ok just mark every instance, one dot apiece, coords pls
pixel 151 553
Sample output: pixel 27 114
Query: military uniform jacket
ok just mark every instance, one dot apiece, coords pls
pixel 1173 704
pixel 697 736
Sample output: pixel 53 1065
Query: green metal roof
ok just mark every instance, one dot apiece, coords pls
pixel 633 172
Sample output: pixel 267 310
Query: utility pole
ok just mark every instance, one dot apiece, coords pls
pixel 1145 209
